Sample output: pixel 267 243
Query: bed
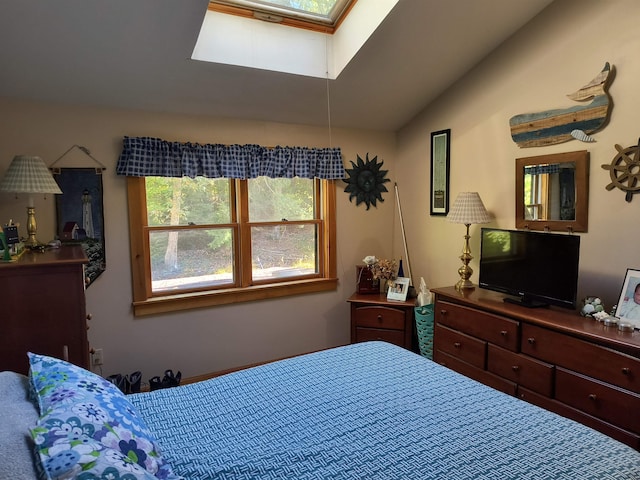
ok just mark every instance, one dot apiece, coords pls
pixel 364 411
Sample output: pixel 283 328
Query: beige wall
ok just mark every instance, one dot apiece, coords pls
pixel 557 53
pixel 205 340
pixel 560 51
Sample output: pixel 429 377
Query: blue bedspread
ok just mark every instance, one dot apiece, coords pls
pixel 370 411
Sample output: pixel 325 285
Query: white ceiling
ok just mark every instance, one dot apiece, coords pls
pixel 136 54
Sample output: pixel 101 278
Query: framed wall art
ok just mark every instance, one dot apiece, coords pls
pixel 629 302
pixel 80 218
pixel 440 151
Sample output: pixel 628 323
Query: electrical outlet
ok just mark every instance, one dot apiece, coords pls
pixel 97 357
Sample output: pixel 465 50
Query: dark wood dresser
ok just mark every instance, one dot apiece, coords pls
pixel 44 308
pixel 551 357
pixel 373 317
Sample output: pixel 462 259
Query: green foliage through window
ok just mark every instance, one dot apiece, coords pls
pixel 193 231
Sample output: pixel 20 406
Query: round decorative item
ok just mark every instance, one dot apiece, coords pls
pixel 624 170
pixel 625 327
pixel 366 181
pixel 591 306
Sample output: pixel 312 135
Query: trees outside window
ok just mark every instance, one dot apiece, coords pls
pixel 200 242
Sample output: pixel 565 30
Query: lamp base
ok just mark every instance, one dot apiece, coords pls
pixel 464 284
pixel 465 271
pixel 32 242
pixel 36 246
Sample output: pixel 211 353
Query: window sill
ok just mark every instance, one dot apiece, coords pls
pixel 187 301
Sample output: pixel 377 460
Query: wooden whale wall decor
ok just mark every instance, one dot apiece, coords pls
pixel 560 125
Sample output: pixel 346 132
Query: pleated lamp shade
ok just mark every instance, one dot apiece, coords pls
pixel 468 209
pixel 28 174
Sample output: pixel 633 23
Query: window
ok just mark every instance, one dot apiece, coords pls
pixel 324 15
pixel 536 192
pixel 202 241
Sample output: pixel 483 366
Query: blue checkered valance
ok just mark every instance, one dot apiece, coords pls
pixel 154 157
pixel 542 169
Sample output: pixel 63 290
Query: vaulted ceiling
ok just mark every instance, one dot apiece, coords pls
pixel 136 54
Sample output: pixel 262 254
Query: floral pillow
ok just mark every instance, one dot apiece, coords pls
pixel 77 405
pixel 83 458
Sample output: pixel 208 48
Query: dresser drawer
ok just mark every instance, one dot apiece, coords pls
pixel 614 431
pixel 599 399
pixel 492 328
pixel 581 356
pixel 526 371
pixel 392 336
pixel 379 317
pixel 481 376
pixel 461 346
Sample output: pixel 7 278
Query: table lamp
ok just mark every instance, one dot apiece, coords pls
pixel 29 174
pixel 467 209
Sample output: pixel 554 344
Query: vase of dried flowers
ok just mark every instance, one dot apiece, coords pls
pixel 384 270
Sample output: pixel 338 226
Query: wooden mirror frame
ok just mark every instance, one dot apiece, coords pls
pixel 581 160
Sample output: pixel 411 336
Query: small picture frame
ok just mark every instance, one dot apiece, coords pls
pixel 440 153
pixel 628 308
pixel 398 289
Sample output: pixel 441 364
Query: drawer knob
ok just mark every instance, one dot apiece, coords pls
pixel 626 371
pixel 457 344
pixel 531 340
pixel 593 397
pixel 503 333
pixel 515 368
pixel 379 318
pixel 443 312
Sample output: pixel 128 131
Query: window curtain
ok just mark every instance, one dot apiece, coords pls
pixel 542 169
pixel 154 157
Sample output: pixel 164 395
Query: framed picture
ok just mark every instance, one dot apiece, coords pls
pixel 440 151
pixel 629 302
pixel 80 218
pixel 398 289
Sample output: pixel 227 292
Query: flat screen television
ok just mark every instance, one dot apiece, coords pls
pixel 537 268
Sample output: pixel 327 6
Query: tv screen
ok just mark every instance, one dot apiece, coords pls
pixel 538 268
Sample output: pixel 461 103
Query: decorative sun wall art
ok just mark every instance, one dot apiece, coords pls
pixel 366 181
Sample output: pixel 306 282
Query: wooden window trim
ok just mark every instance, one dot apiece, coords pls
pixel 144 303
pixel 314 26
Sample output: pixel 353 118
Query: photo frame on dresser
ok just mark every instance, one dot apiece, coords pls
pixel 440 153
pixel 398 289
pixel 628 307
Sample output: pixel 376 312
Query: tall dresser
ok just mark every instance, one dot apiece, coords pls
pixel 43 308
pixel 551 357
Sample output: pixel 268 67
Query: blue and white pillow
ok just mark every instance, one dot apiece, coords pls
pixel 78 407
pixel 83 458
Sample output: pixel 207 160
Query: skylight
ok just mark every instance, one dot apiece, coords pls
pixel 230 35
pixel 323 12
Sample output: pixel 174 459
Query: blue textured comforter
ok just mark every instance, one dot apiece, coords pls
pixel 370 411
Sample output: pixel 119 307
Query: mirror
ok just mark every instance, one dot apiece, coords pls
pixel 552 192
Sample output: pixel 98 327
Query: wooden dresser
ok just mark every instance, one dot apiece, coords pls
pixel 43 308
pixel 373 317
pixel 551 357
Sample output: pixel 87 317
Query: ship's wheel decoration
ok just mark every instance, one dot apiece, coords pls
pixel 366 181
pixel 625 170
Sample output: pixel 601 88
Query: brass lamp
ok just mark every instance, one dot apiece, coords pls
pixel 29 174
pixel 467 209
